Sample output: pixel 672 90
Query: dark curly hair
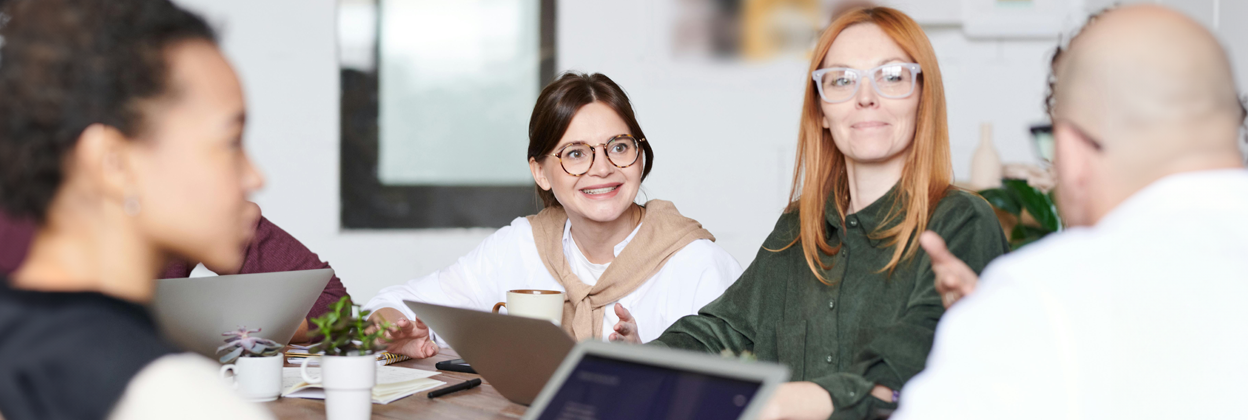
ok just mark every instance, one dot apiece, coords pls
pixel 68 64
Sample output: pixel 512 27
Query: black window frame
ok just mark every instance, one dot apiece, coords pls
pixel 368 203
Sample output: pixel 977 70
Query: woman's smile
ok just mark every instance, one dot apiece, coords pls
pixel 601 191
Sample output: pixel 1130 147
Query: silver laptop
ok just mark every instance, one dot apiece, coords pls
pixel 516 355
pixel 609 381
pixel 193 312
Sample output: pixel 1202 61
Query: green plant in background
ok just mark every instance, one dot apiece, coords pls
pixel 345 329
pixel 1019 199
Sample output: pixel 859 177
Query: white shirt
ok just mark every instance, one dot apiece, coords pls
pixel 1140 316
pixel 588 272
pixel 508 260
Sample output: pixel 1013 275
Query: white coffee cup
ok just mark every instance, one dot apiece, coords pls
pixel 348 382
pixel 256 378
pixel 540 304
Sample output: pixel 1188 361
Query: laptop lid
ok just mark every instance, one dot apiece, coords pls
pixel 516 355
pixel 609 381
pixel 193 312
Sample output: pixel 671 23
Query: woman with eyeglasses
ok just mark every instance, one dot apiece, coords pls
pixel 841 291
pixel 592 241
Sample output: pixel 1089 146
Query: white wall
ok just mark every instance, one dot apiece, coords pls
pixel 724 136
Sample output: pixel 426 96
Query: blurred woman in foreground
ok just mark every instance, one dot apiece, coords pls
pixel 121 137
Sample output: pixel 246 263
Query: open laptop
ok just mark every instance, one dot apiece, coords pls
pixel 193 312
pixel 516 355
pixel 609 381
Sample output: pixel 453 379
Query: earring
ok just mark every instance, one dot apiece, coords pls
pixel 131 206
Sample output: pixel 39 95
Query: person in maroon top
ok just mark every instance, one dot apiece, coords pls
pixel 271 250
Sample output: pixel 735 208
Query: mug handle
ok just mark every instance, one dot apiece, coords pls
pixel 233 378
pixel 500 304
pixel 303 371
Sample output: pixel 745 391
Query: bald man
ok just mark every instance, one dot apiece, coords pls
pixel 1137 310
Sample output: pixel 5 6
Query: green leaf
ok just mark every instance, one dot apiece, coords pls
pixel 1040 205
pixel 229 357
pixel 1003 199
pixel 1023 235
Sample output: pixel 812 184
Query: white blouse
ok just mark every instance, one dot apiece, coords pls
pixel 508 260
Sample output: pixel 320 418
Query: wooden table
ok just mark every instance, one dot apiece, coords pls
pixel 482 402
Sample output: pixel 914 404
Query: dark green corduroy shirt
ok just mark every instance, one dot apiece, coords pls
pixel 867 327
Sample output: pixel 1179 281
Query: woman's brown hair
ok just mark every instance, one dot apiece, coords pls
pixel 820 169
pixel 559 102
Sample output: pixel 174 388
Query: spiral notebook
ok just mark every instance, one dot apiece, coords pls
pixel 393 383
pixel 297 353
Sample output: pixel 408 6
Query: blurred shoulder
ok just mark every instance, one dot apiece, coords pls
pixel 962 211
pixel 519 231
pixel 787 230
pixel 185 384
pixel 702 252
pixel 962 203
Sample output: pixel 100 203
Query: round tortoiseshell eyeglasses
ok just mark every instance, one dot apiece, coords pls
pixel 576 158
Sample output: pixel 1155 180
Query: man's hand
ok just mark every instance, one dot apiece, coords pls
pixel 798 400
pixel 406 337
pixel 954 279
pixel 626 329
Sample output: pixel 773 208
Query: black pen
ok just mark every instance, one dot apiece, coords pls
pixel 469 384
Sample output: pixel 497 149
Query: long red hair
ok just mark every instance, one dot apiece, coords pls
pixel 820 169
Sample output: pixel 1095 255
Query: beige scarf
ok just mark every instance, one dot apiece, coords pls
pixel 663 232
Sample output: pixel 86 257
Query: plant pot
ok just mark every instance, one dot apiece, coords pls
pixel 257 378
pixel 348 382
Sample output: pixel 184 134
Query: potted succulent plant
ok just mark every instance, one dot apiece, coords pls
pixel 348 366
pixel 256 362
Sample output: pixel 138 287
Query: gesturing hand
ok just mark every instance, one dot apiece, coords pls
pixel 954 279
pixel 798 400
pixel 626 329
pixel 407 337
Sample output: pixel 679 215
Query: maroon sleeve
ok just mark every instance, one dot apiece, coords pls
pixel 271 250
pixel 15 236
pixel 274 250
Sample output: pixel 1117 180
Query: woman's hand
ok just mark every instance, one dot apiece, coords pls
pixel 626 329
pixel 798 400
pixel 406 337
pixel 954 279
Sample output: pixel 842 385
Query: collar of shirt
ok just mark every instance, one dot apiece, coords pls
pixel 1178 193
pixel 866 220
pixel 568 243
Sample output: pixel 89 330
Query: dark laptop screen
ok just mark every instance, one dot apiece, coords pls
pixel 607 389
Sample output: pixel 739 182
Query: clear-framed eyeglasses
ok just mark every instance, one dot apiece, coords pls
pixel 840 84
pixel 576 158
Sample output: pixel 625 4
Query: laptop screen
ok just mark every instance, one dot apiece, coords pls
pixel 606 389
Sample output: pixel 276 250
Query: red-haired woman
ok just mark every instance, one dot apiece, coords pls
pixel 841 292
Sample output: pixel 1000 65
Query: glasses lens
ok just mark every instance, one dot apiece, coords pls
pixel 894 81
pixel 839 85
pixel 576 158
pixel 622 150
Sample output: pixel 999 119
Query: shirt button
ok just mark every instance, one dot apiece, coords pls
pixel 853 222
pixel 831 304
pixel 851 393
pixel 829 359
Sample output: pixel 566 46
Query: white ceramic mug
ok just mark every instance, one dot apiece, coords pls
pixel 540 304
pixel 257 378
pixel 348 382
